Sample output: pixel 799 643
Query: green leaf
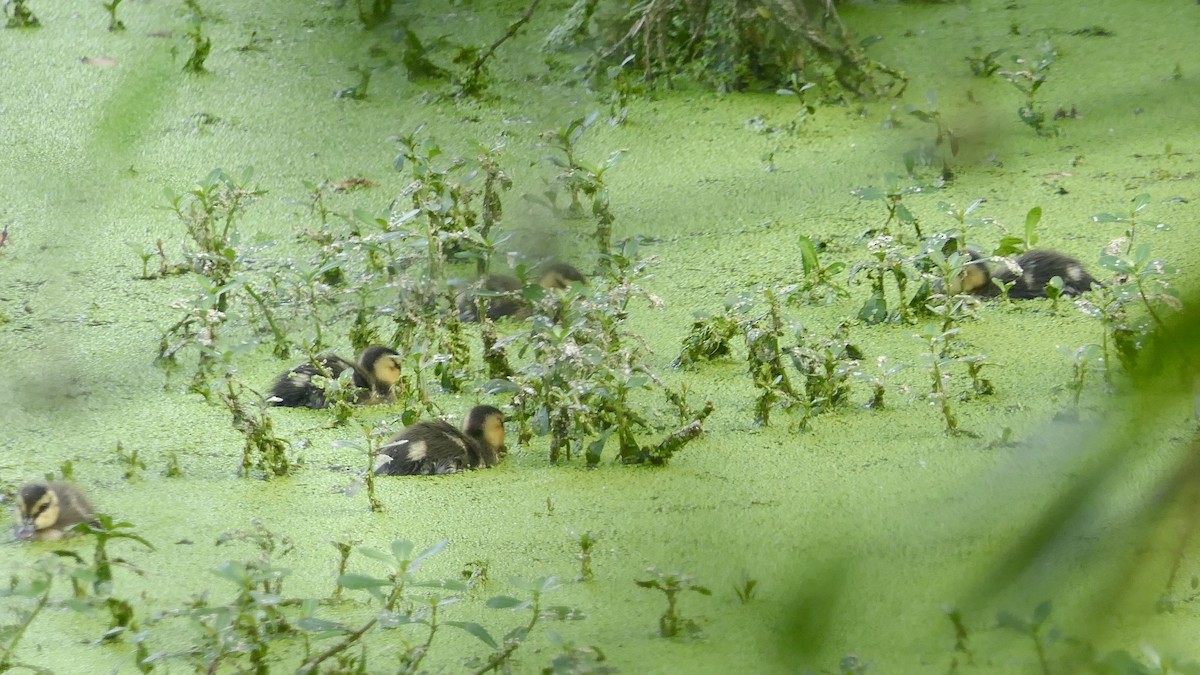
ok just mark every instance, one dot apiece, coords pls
pixel 474 629
pixel 503 602
pixel 231 571
pixel 868 193
pixel 311 624
pixel 376 554
pixel 808 255
pixel 562 613
pixel 1140 202
pixel 1012 622
pixel 1031 220
pixel 1106 218
pixel 1041 613
pixel 402 549
pixel 874 310
pixel 355 581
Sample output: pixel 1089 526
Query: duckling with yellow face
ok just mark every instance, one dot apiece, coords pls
pixel 377 371
pixel 1028 275
pixel 48 510
pixel 556 276
pixel 435 447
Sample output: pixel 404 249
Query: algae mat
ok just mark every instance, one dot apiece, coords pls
pixel 859 532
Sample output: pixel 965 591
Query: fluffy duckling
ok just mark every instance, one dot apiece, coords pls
pixel 556 276
pixel 48 510
pixel 377 371
pixel 436 447
pixel 1029 275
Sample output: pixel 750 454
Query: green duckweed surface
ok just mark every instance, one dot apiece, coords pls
pixel 907 519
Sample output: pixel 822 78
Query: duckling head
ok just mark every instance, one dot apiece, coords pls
pixel 561 276
pixel 485 424
pixel 974 276
pixel 40 508
pixel 383 363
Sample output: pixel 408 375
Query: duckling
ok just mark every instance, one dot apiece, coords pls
pixel 436 447
pixel 1038 267
pixel 1028 274
pixel 48 510
pixel 377 371
pixel 556 276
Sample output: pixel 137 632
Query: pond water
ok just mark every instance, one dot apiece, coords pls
pixel 858 532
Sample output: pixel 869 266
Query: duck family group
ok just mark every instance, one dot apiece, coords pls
pixel 49 510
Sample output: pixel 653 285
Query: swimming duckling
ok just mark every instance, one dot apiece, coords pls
pixel 556 276
pixel 436 447
pixel 48 510
pixel 377 371
pixel 1029 275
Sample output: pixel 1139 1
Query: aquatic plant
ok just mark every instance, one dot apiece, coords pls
pixel 1082 360
pixel 722 45
pixel 373 437
pixel 473 80
pixel 114 24
pixel 36 588
pixel 937 362
pixel 130 461
pixel 985 65
pixel 708 339
pixel 357 92
pixel 943 136
pixel 581 178
pixel 585 369
pixel 1028 75
pixel 209 211
pixel 892 194
pixel 672 584
pixel 19 16
pixel 962 638
pixel 879 381
pixel 745 588
pixel 200 45
pixel 764 334
pixel 1035 629
pixel 263 450
pixel 99 574
pixel 586 542
pixel 575 659
pixel 503 651
pixel 375 14
pixel 344 547
pixel 890 263
pixel 1142 282
pixel 962 216
pixel 826 365
pixel 1137 205
pixel 1013 245
pixel 820 284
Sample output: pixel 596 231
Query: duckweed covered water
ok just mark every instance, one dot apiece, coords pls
pixel 904 517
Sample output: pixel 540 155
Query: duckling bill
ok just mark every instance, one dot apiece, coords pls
pixel 377 371
pixel 1029 276
pixel 48 510
pixel 435 447
pixel 557 276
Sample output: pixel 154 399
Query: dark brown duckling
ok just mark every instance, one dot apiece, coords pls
pixel 556 276
pixel 1029 275
pixel 436 447
pixel 377 371
pixel 48 510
